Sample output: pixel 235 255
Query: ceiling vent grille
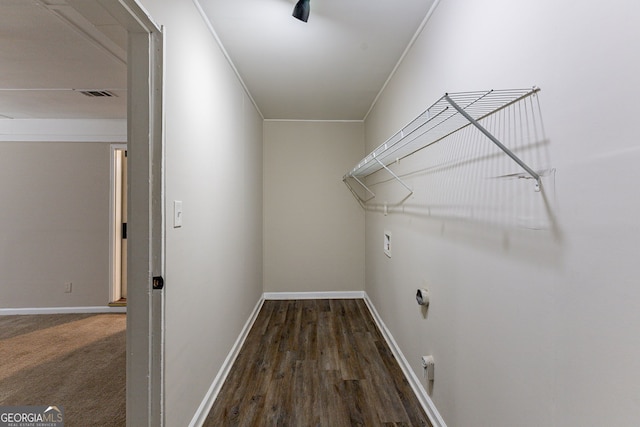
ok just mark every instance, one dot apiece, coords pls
pixel 98 93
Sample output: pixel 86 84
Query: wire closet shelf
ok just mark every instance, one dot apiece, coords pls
pixel 450 113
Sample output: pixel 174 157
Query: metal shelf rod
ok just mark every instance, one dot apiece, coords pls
pixel 493 139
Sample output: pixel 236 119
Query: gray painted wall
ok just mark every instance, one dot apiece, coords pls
pixel 213 146
pixel 54 224
pixel 313 229
pixel 535 304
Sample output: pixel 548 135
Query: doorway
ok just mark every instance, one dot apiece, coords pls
pixel 118 226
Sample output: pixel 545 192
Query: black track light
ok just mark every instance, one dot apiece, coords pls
pixel 301 11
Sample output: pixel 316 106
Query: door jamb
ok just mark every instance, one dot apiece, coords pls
pixel 145 306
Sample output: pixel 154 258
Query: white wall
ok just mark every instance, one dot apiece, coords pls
pixel 213 142
pixel 54 224
pixel 529 325
pixel 313 229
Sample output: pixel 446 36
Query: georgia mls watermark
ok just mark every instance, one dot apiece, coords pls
pixel 31 416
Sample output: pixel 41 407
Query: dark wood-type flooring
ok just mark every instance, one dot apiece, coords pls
pixel 316 363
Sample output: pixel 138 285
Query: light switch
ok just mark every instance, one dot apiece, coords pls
pixel 177 213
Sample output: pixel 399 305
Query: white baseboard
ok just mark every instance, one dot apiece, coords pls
pixel 422 395
pixel 314 295
pixel 61 310
pixel 207 403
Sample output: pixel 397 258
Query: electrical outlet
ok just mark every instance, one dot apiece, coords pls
pixel 68 287
pixel 428 366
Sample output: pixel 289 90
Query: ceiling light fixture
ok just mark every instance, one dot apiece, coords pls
pixel 301 10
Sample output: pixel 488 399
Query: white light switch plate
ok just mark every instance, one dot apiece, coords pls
pixel 177 213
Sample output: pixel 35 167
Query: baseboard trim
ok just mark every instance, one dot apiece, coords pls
pixel 314 295
pixel 207 403
pixel 422 395
pixel 61 310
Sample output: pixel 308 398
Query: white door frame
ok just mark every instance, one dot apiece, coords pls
pixel 115 230
pixel 145 305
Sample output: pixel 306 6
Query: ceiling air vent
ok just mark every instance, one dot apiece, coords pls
pixel 98 93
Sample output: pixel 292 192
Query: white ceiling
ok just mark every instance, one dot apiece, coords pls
pixel 331 68
pixel 49 52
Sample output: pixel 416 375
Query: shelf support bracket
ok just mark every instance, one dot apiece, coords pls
pixel 394 175
pixel 493 139
pixel 361 184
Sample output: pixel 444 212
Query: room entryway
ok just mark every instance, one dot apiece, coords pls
pixel 118 227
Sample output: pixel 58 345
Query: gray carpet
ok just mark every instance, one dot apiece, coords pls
pixel 76 361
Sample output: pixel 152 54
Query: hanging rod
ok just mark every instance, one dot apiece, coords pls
pixel 450 113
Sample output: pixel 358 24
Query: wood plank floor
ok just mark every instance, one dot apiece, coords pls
pixel 316 363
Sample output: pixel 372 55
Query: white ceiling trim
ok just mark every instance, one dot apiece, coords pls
pixel 314 121
pixel 226 55
pixel 404 54
pixel 63 130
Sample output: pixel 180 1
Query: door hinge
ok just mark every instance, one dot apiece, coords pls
pixel 158 282
pixel 124 230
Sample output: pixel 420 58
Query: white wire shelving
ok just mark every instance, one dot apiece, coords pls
pixel 450 113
